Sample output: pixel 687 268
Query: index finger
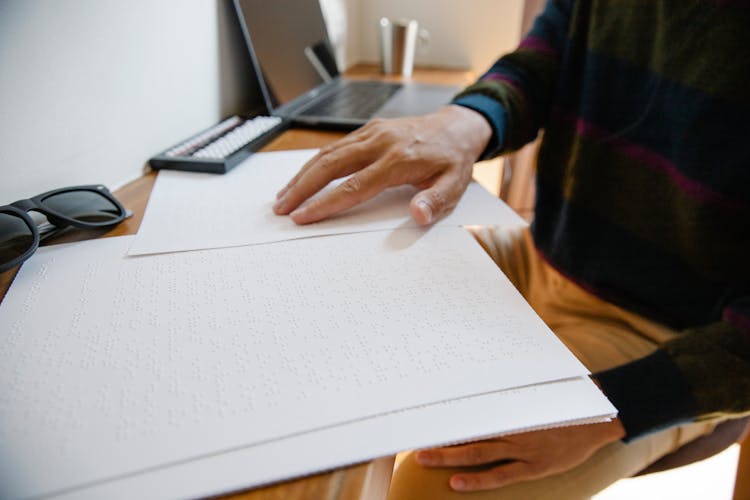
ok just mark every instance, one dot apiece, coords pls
pixel 321 170
pixel 481 452
pixel 496 477
pixel 356 136
pixel 360 187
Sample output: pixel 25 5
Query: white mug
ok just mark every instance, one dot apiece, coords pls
pixel 398 43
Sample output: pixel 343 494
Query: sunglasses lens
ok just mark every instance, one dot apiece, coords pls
pixel 16 237
pixel 84 206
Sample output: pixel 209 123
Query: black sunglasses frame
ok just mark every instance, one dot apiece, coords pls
pixel 59 220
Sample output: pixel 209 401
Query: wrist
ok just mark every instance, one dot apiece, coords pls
pixel 614 427
pixel 470 128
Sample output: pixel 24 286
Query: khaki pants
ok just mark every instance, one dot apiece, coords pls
pixel 601 335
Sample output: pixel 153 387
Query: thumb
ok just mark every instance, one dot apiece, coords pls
pixel 437 201
pixel 421 210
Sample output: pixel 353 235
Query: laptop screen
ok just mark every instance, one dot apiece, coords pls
pixel 289 43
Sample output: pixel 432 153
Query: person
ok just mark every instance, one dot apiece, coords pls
pixel 638 257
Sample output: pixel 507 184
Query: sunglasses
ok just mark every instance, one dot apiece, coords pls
pixel 86 207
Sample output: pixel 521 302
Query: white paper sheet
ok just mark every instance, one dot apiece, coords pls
pixel 114 365
pixel 236 208
pixel 556 403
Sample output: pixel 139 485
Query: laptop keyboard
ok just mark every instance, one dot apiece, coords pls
pixel 355 100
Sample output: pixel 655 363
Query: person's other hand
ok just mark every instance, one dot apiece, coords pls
pixel 434 153
pixel 522 457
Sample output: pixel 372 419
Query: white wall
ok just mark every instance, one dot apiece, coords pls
pixel 90 89
pixel 468 34
pixel 343 18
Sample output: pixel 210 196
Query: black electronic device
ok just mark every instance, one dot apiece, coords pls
pixel 221 147
pixel 289 46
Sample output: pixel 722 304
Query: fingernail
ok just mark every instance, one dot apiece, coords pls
pixel 424 458
pixel 282 192
pixel 458 483
pixel 279 205
pixel 424 207
pixel 300 212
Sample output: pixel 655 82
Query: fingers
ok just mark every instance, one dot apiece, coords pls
pixel 497 477
pixel 428 152
pixel 438 200
pixel 522 457
pixel 426 206
pixel 326 166
pixel 357 136
pixel 360 187
pixel 479 453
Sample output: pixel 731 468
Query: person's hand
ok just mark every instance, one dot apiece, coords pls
pixel 435 153
pixel 522 457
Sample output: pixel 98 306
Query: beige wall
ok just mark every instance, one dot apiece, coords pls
pixel 464 34
pixel 343 19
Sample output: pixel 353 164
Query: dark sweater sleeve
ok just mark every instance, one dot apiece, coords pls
pixel 703 373
pixel 515 95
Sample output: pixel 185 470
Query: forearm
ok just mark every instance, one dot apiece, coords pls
pixel 470 128
pixel 516 94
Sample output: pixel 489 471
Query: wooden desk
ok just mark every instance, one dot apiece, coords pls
pixel 367 481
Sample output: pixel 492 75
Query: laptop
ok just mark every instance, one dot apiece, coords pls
pixel 299 79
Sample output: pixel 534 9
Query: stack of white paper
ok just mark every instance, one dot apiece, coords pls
pixel 193 373
pixel 235 208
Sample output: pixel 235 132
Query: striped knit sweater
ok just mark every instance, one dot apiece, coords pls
pixel 643 182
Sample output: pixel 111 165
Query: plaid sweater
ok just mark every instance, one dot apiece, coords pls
pixel 643 182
